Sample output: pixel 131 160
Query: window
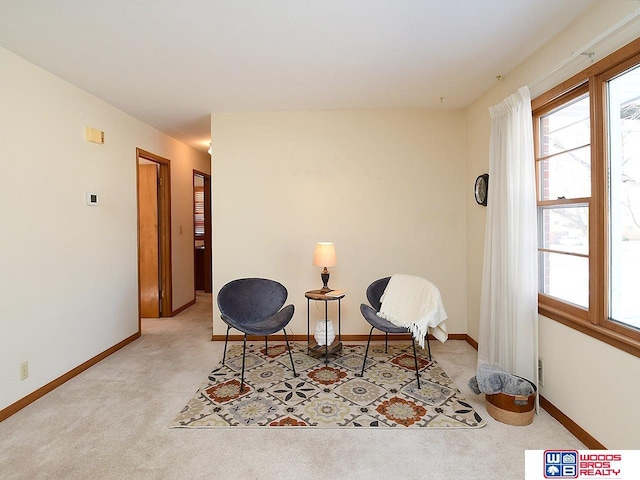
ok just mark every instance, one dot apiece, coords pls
pixel 198 211
pixel 563 168
pixel 587 154
pixel 623 133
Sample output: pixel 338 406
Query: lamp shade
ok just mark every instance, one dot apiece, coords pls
pixel 324 254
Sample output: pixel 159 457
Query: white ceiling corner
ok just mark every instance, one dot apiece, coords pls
pixel 171 64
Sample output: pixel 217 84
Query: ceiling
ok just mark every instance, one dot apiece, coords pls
pixel 170 63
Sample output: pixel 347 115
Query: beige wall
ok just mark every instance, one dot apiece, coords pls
pixel 386 187
pixel 184 160
pixel 68 272
pixel 592 383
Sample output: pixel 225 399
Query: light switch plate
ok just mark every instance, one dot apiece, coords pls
pixel 92 199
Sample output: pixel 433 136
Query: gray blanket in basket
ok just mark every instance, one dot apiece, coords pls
pixel 492 379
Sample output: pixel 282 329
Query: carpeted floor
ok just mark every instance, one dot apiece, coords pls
pixel 110 423
pixel 328 395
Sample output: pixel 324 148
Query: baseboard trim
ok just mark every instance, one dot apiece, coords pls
pixel 183 307
pixel 575 429
pixel 42 391
pixel 471 341
pixel 344 338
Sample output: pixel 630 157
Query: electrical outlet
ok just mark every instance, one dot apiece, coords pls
pixel 540 372
pixel 24 370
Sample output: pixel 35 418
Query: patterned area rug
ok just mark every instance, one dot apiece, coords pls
pixel 328 395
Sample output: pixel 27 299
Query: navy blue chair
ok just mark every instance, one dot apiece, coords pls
pixel 254 307
pixel 370 314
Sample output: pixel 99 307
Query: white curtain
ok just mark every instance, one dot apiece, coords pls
pixel 508 335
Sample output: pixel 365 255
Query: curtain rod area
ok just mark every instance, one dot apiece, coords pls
pixel 586 50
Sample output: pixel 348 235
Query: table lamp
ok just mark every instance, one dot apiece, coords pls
pixel 324 255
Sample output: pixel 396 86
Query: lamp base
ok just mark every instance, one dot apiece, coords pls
pixel 325 280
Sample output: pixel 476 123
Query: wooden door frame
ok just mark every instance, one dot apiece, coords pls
pixel 164 230
pixel 208 266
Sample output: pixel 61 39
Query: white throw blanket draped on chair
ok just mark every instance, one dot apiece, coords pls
pixel 414 303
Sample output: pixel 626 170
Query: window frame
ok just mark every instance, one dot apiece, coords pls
pixel 594 320
pixel 574 310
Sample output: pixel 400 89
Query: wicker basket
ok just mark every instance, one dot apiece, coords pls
pixel 515 410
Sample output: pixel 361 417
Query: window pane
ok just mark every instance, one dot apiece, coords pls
pixel 565 277
pixel 566 176
pixel 564 169
pixel 624 197
pixel 565 229
pixel 566 127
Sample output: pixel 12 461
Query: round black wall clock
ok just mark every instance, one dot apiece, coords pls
pixel 481 188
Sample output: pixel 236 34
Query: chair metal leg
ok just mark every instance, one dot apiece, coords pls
pixel 366 352
pixel 386 341
pixel 415 359
pixel 226 339
pixel 244 351
pixel 293 367
pixel 429 347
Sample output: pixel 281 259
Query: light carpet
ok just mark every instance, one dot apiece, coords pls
pixel 328 395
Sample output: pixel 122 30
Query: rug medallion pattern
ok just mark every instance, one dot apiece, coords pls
pixel 328 395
